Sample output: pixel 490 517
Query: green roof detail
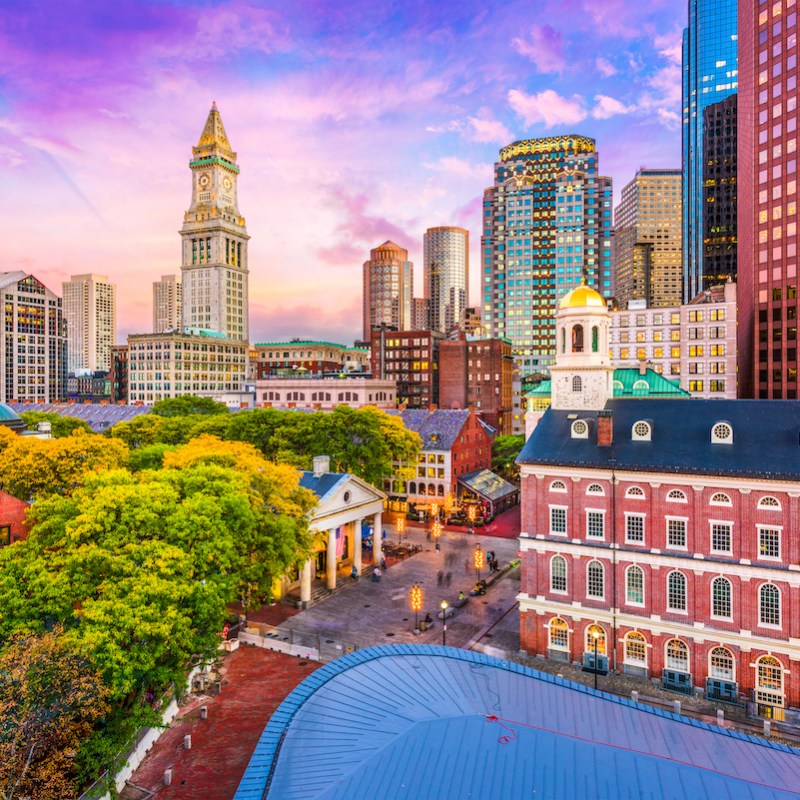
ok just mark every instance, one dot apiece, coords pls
pixel 630 382
pixel 7 414
pixel 306 343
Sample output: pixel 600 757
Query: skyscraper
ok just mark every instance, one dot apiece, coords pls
pixel 214 270
pixel 90 310
pixel 647 239
pixel 710 74
pixel 446 271
pixel 767 199
pixel 546 226
pixel 388 287
pixel 167 305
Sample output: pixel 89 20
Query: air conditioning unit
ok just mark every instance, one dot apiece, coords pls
pixel 676 681
pixel 600 666
pixel 725 691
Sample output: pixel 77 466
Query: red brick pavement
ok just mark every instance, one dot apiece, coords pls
pixel 254 683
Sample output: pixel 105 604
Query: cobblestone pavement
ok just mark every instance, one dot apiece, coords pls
pixel 366 613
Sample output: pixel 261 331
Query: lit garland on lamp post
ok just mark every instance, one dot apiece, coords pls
pixel 479 559
pixel 436 532
pixel 471 512
pixel 401 526
pixel 416 604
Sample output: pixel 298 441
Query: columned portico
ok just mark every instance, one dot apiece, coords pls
pixel 357 555
pixel 377 538
pixel 305 582
pixel 330 561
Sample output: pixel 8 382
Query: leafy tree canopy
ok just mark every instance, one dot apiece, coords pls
pixel 60 426
pixel 505 450
pixel 187 405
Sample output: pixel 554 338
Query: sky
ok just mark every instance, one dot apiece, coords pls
pixel 354 123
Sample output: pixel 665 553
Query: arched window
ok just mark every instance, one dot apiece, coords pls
pixel 412 487
pixel 595 488
pixel 595 580
pixel 721 598
pixel 596 633
pixel 769 674
pixel 577 384
pixel 720 499
pixel 577 338
pixel 595 339
pixel 558 486
pixel 440 491
pixel 721 664
pixel 635 649
pixel 676 591
pixel 676 655
pixel 769 604
pixel 558 574
pixel 559 634
pixel 431 490
pixel 634 586
pixel 634 491
pixel 676 496
pixel 770 503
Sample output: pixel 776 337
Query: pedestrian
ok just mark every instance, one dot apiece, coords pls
pixel 439 578
pixel 383 562
pixel 354 573
pixel 466 566
pixel 447 579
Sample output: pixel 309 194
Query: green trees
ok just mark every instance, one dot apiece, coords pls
pixel 505 450
pixel 60 426
pixel 188 404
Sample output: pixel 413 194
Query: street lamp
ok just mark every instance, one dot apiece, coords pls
pixel 416 604
pixel 434 510
pixel 443 604
pixel 401 526
pixel 471 517
pixel 596 635
pixel 436 531
pixel 478 559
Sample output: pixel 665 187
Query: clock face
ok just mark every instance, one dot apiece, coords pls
pixel 204 181
pixel 227 183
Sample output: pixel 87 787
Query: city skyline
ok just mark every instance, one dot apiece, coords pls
pixel 343 141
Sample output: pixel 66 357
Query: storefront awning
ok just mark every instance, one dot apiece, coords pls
pixel 487 484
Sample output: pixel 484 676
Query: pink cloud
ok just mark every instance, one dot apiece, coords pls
pixel 547 107
pixel 545 48
pixel 608 107
pixel 605 67
pixel 486 129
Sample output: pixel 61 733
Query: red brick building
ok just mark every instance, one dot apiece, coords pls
pixel 12 519
pixel 478 373
pixel 666 534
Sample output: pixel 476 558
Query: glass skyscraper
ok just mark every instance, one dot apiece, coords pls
pixel 710 74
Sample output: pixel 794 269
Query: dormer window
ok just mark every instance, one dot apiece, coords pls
pixel 722 433
pixel 641 431
pixel 580 429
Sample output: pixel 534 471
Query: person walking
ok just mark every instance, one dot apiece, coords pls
pixel 439 578
pixel 447 579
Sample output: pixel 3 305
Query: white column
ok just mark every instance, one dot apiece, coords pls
pixel 357 546
pixel 305 582
pixel 331 571
pixel 377 540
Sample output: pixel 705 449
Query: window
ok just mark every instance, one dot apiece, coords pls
pixel 634 491
pixel 722 433
pixel 769 605
pixel 595 580
pixel 597 489
pixel 635 649
pixel 634 528
pixel 580 429
pixel 677 655
pixel 769 674
pixel 559 634
pixel 720 499
pixel 721 605
pixel 676 533
pixel 676 591
pixel 596 639
pixel 721 537
pixel 5 535
pixel 595 524
pixel 720 664
pixel 634 586
pixel 770 503
pixel 558 520
pixel 577 384
pixel 769 543
pixel 676 496
pixel 558 574
pixel 558 486
pixel 641 431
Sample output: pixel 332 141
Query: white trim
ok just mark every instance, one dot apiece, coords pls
pixel 561 489
pixel 733 662
pixel 565 509
pixel 669 499
pixel 630 496
pixel 564 591
pixel 779 528
pixel 711 524
pixel 601 493
pixel 685 520
pixel 643 517
pixel 711 613
pixel 725 504
pixel 667 606
pixel 644 590
pixel 602 512
pixel 603 567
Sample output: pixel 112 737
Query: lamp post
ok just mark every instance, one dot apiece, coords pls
pixel 471 518
pixel 443 604
pixel 436 531
pixel 596 636
pixel 416 605
pixel 401 526
pixel 478 559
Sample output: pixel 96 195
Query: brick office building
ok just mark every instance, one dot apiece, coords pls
pixel 411 359
pixel 669 529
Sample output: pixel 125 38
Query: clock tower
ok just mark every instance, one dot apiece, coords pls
pixel 214 269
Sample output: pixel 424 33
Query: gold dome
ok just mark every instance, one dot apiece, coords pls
pixel 582 296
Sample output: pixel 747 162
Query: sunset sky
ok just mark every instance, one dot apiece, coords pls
pixel 355 122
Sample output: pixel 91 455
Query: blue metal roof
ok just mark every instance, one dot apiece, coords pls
pixel 438 429
pixel 766 438
pixel 322 485
pixel 419 722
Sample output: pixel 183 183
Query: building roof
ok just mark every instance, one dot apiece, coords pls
pixel 582 296
pixel 628 383
pixel 487 484
pixel 680 440
pixel 427 722
pixel 438 429
pixel 7 414
pixel 304 343
pixel 98 416
pixel 322 485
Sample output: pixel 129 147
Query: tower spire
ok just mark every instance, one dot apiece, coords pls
pixel 213 140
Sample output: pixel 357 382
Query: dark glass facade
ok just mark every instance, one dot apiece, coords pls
pixel 710 74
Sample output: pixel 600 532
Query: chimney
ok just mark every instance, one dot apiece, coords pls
pixel 643 368
pixel 605 429
pixel 322 464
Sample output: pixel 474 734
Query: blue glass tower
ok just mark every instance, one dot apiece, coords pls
pixel 710 74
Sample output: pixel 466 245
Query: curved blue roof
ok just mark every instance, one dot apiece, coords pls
pixel 420 722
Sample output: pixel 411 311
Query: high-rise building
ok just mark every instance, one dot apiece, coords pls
pixel 90 310
pixel 767 199
pixel 710 74
pixel 719 192
pixel 411 358
pixel 446 271
pixel 647 239
pixel 167 306
pixel 420 314
pixel 214 268
pixel 388 288
pixel 32 340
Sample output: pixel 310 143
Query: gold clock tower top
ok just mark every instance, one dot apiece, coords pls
pixel 213 140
